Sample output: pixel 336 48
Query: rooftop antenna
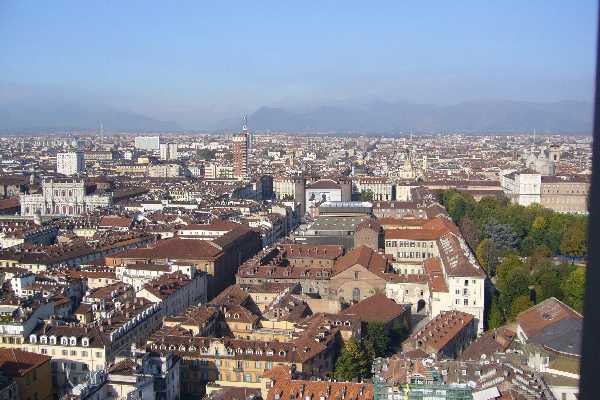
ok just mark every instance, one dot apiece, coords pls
pixel 101 130
pixel 245 122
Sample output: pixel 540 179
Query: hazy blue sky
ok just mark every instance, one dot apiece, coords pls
pixel 196 62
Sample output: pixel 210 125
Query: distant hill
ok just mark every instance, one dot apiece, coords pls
pixel 396 117
pixel 49 116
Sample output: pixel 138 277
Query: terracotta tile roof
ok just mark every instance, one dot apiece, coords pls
pixel 435 275
pixel 363 256
pixel 304 389
pixel 324 184
pixel 438 332
pixel 536 319
pixel 115 221
pixel 377 308
pixel 489 343
pixel 17 363
pixel 126 367
pixel 330 252
pixel 432 229
pixel 174 248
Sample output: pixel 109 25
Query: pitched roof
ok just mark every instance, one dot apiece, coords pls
pixel 377 308
pixel 363 256
pixel 535 319
pixel 17 363
pixel 174 248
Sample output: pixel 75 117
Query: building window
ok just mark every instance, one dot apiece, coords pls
pixel 466 302
pixel 356 294
pixel 355 275
pixel 466 282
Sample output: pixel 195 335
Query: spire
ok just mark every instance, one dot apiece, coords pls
pixel 245 122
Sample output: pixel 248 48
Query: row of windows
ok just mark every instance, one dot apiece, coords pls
pixel 65 341
pixel 403 243
pixel 414 254
pixel 71 353
pixel 465 302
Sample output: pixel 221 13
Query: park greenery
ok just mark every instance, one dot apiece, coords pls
pixel 357 357
pixel 529 253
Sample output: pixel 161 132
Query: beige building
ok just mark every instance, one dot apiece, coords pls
pixel 565 194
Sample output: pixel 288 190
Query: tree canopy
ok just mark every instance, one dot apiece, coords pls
pixel 353 362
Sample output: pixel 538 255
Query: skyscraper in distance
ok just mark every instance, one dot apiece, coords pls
pixel 241 146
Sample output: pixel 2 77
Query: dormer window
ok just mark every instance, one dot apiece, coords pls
pixel 239 351
pixel 236 316
pixel 73 341
pixel 52 339
pixel 32 339
pixel 269 352
pixel 282 353
pixel 85 342
pixel 64 341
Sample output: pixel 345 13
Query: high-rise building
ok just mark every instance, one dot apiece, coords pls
pixel 247 132
pixel 168 151
pixel 240 156
pixel 70 163
pixel 241 147
pixel 148 143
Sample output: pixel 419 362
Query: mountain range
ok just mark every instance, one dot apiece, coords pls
pixel 379 117
pixel 398 117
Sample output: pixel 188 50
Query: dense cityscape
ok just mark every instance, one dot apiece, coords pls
pixel 292 266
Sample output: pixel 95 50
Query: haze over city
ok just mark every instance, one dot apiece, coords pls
pixel 201 66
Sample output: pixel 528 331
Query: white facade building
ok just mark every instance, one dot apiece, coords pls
pixel 523 188
pixel 62 197
pixel 71 163
pixel 169 151
pixel 148 143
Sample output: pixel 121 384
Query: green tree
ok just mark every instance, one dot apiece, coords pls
pixel 457 206
pixel 495 314
pixel 376 341
pixel 509 263
pixel 574 288
pixel 540 255
pixel 398 334
pixel 366 195
pixel 519 304
pixel 502 235
pixel 353 362
pixel 470 231
pixel 512 282
pixel 573 243
pixel 548 279
pixel 487 255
